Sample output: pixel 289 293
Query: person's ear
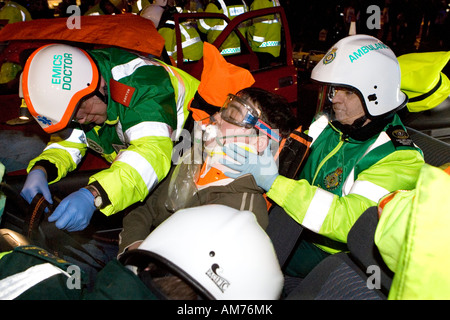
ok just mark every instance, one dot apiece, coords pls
pixel 262 142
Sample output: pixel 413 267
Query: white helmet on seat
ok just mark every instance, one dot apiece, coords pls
pixel 55 79
pixel 220 251
pixel 369 67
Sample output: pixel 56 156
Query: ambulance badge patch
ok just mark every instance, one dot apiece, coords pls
pixel 330 56
pixel 333 179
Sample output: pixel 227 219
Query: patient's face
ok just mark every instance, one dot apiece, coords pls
pixel 226 133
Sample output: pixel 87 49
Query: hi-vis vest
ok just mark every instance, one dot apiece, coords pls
pixel 213 27
pixel 190 41
pixel 143 118
pixel 343 177
pixel 264 35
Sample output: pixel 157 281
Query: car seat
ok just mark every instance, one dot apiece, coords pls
pixel 345 276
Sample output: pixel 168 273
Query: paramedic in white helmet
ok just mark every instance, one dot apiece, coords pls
pixel 360 152
pixel 121 105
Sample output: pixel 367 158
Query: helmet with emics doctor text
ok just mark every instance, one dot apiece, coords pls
pixel 366 66
pixel 221 252
pixel 55 79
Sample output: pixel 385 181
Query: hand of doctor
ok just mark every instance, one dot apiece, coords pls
pixel 263 167
pixel 35 183
pixel 75 211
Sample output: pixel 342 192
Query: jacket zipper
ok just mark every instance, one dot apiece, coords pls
pixel 332 153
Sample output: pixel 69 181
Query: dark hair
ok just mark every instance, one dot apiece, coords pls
pixel 171 286
pixel 275 109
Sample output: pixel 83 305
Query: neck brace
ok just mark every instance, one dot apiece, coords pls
pixel 213 172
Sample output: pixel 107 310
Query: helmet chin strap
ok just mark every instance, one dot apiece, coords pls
pixel 357 124
pixel 102 96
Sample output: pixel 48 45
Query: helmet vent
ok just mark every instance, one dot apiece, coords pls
pixel 373 97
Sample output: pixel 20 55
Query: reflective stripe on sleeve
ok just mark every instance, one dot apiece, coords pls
pixel 14 285
pixel 123 70
pixel 369 190
pixel 318 210
pixel 148 129
pixel 75 154
pixel 77 136
pixel 141 165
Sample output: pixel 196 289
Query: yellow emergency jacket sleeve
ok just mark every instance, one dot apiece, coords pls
pixel 331 215
pixel 65 150
pixel 137 169
pixel 412 237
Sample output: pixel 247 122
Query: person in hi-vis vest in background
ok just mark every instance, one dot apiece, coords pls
pixel 264 35
pixel 213 27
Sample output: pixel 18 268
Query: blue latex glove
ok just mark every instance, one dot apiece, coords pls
pixel 75 211
pixel 35 183
pixel 262 167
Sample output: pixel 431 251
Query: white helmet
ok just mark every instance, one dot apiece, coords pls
pixel 55 78
pixel 369 67
pixel 153 12
pixel 220 251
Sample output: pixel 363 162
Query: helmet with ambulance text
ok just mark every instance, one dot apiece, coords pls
pixel 55 79
pixel 219 251
pixel 367 66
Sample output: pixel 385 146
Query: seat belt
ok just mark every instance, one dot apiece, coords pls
pixel 284 233
pixel 282 229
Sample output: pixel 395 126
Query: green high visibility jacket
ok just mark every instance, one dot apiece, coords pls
pixel 32 273
pixel 147 108
pixel 264 35
pixel 344 176
pixel 412 237
pixel 213 27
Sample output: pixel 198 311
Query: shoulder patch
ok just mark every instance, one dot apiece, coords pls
pixel 399 137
